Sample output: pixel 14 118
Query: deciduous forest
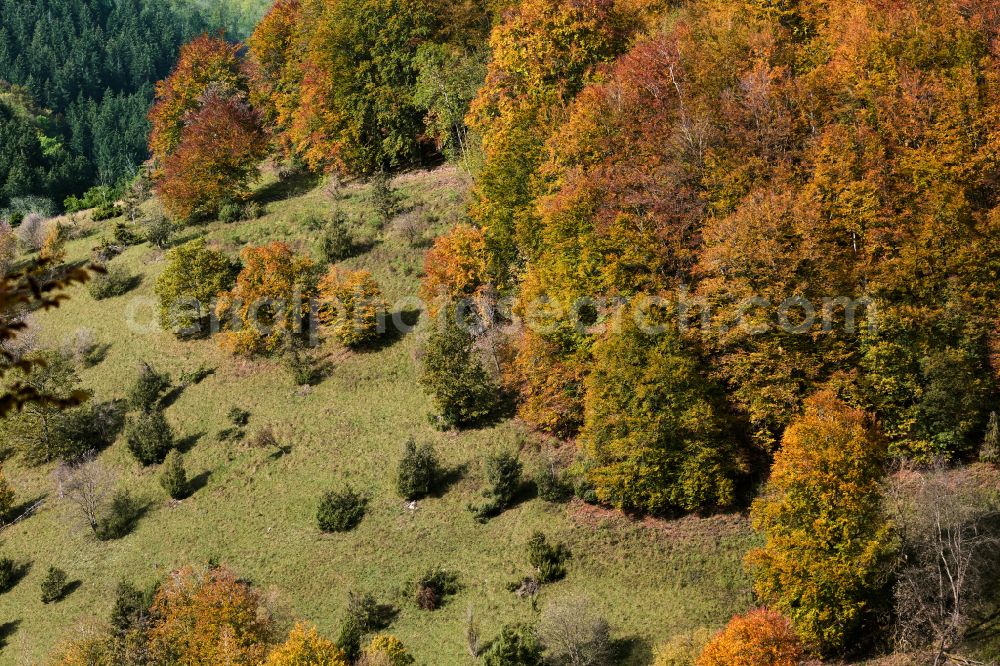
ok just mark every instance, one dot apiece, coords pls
pixel 562 332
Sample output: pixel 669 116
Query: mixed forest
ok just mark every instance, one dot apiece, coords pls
pixel 689 305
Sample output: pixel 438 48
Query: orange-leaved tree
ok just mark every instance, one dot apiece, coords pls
pixel 209 618
pixel 305 647
pixel 761 637
pixel 203 62
pixel 269 308
pixel 352 305
pixel 454 267
pixel 216 159
pixel 828 544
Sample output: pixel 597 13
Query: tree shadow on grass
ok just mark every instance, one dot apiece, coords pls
pixel 19 510
pixel 449 477
pixel 632 650
pixel 18 573
pixel 395 327
pixel 70 588
pixel 7 630
pixel 185 444
pixel 285 188
pixel 198 482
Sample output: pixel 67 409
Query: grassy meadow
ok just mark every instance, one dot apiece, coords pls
pixel 254 510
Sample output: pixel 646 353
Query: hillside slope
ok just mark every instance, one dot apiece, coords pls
pixel 255 511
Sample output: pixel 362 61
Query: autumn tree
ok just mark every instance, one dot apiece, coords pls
pixel 761 637
pixel 355 111
pixel 454 267
pixel 193 278
pixel 543 53
pixel 203 63
pixel 269 308
pixel 828 542
pixel 305 647
pixel 216 158
pixel 204 618
pixel 653 430
pixel 352 306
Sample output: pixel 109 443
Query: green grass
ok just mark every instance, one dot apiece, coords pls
pixel 256 513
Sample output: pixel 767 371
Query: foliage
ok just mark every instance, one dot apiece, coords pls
pixel 304 369
pixel 149 437
pixel 207 618
pixel 552 485
pixel 682 649
pixel 761 637
pixel 651 425
pixel 305 647
pixel 419 471
pixel 53 585
pixel 828 542
pixel 503 483
pixel 203 63
pixel 548 560
pixel 454 267
pixel 269 308
pixel 173 477
pixel 448 77
pixel 117 281
pixel 352 305
pixel 462 390
pixel 336 243
pixel 53 248
pixel 131 607
pixel 27 290
pixel 364 614
pixel 574 635
pixel 149 387
pixel 159 229
pixel 343 96
pixel 434 586
pixel 386 650
pixel 517 645
pixel 93 64
pixel 44 429
pixel 340 511
pixel 119 518
pixel 216 159
pixel 193 277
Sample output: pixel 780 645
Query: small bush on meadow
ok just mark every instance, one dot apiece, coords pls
pixel 304 370
pixel 173 476
pixel 364 615
pixel 238 417
pixel 53 585
pixel 131 607
pixel 149 387
pixel 106 212
pixel 552 486
pixel 761 636
pixel 149 437
pixel 230 212
pixel 419 471
pixel 434 586
pixel 352 306
pixel 340 511
pixel 574 635
pixel 385 650
pixel 117 281
pixel 159 228
pixel 85 349
pixel 517 645
pixel 120 517
pixel 683 649
pixel 503 482
pixel 336 243
pixel 548 560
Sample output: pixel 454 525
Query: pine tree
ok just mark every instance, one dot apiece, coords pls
pixel 173 477
pixel 462 389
